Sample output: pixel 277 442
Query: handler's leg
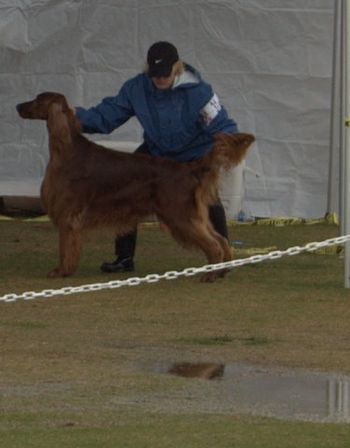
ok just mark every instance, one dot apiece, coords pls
pixel 125 246
pixel 124 249
pixel 217 217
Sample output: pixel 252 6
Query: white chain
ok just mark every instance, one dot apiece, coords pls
pixel 171 275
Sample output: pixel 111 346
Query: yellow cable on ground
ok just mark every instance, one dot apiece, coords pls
pixel 329 218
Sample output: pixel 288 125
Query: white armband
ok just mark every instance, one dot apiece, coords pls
pixel 211 109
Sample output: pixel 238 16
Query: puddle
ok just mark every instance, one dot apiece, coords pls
pixel 281 393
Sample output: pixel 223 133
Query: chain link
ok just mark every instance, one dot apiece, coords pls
pixel 172 275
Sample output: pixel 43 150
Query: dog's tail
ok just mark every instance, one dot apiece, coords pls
pixel 228 151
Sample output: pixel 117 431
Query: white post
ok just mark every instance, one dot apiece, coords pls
pixel 346 124
pixel 341 168
pixel 336 127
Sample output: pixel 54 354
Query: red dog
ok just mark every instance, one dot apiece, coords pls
pixel 87 185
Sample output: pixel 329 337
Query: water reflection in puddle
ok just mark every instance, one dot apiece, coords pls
pixel 206 370
pixel 286 394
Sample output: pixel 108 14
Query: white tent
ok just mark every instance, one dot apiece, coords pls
pixel 270 62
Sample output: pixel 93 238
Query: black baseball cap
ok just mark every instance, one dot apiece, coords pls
pixel 160 58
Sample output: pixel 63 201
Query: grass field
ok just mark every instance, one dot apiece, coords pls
pixel 80 371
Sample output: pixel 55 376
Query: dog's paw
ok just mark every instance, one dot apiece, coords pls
pixel 209 277
pixel 54 273
pixel 223 272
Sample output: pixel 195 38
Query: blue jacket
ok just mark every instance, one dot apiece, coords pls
pixel 178 123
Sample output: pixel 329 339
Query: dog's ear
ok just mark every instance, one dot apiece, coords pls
pixel 64 104
pixel 58 124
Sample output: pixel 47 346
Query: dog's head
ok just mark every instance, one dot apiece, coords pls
pixel 39 108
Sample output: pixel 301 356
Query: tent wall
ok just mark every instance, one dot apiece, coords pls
pixel 270 62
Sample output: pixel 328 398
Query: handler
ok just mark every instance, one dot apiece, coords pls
pixel 179 113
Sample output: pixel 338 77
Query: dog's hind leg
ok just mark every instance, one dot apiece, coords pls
pixel 224 245
pixel 197 234
pixel 69 250
pixel 214 220
pixel 227 250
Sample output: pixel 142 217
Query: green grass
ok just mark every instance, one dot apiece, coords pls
pixel 197 432
pixel 76 371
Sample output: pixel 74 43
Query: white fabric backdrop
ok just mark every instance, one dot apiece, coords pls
pixel 270 62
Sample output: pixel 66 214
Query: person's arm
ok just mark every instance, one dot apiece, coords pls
pixel 214 117
pixel 111 113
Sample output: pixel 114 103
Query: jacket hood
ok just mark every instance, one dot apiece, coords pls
pixel 189 77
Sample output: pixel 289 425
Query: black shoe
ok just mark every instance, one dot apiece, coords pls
pixel 119 265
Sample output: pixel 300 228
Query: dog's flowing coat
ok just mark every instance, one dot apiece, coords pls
pixel 87 185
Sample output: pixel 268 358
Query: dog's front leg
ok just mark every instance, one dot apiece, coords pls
pixel 69 251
